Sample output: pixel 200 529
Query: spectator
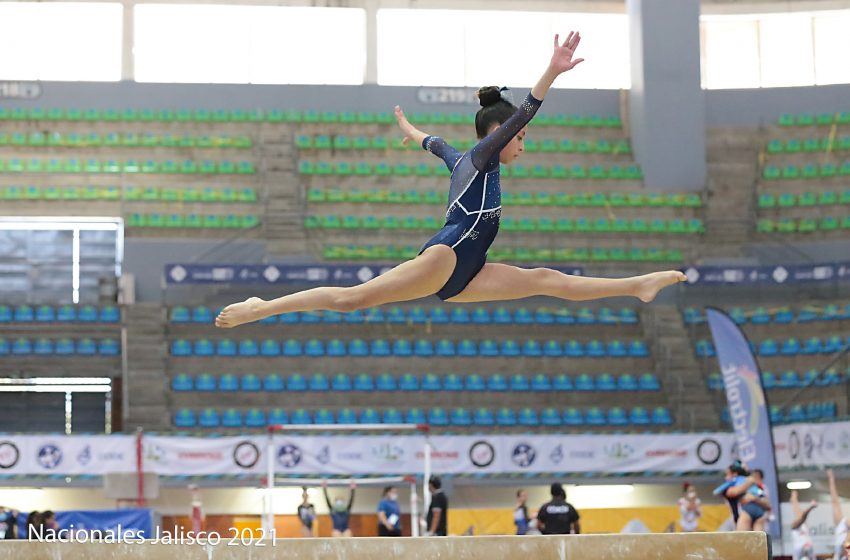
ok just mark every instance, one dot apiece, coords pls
pixel 754 503
pixel 438 510
pixel 736 474
pixel 521 513
pixel 8 524
pixel 34 525
pixel 48 522
pixel 340 512
pixel 802 547
pixel 557 517
pixel 306 514
pixel 690 508
pixel 842 537
pixel 389 514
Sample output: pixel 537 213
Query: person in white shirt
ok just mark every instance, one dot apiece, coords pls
pixel 690 508
pixel 841 543
pixel 801 540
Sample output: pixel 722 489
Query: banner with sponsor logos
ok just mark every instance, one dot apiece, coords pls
pixel 775 275
pixel 273 274
pixel 797 445
pixel 747 405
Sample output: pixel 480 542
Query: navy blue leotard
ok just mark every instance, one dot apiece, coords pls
pixel 475 197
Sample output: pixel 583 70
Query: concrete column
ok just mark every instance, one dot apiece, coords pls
pixel 667 104
pixel 371 7
pixel 128 73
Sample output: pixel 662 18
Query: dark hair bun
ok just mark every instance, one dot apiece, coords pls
pixel 489 95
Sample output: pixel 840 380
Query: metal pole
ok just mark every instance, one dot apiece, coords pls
pixel 414 510
pixel 140 468
pixel 270 482
pixel 426 474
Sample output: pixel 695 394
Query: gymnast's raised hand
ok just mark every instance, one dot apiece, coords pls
pixel 452 264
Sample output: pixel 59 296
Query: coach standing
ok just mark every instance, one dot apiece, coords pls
pixel 557 517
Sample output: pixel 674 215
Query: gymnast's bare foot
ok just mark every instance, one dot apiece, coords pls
pixel 650 284
pixel 237 314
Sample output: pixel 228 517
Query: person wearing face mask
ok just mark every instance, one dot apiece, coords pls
pixel 306 514
pixel 690 508
pixel 340 511
pixel 8 524
pixel 389 514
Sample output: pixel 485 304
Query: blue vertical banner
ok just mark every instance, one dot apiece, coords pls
pixel 748 408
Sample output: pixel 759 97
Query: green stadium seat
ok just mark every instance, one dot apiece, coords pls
pixel 827 170
pixel 807 225
pixel 775 147
pixel 805 119
pixel 827 198
pixel 767 200
pixel 772 172
pixel 790 171
pixel 828 224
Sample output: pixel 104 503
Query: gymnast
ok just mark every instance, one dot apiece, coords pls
pixel 452 264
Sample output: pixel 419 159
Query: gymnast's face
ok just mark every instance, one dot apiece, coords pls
pixel 515 147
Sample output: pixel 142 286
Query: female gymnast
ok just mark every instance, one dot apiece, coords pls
pixel 452 264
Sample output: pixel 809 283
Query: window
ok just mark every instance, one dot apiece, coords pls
pixel 475 48
pixel 730 54
pixel 787 50
pixel 832 43
pixel 249 44
pixel 61 41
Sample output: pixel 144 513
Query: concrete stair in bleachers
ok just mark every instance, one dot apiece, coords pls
pixel 285 203
pixel 146 352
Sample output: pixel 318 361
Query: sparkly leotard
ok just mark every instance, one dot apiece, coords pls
pixel 475 197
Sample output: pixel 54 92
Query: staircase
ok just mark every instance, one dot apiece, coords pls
pixel 146 351
pixel 285 202
pixel 690 402
pixel 732 178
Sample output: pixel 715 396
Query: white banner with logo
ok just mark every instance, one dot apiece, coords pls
pixel 798 445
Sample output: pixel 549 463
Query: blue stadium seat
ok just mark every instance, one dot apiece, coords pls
pixel 270 320
pixel 184 418
pixel 6 314
pixel 269 348
pixel 108 347
pixel 438 417
pixel 385 382
pixel 319 383
pixel 704 349
pixel 314 348
pixel 790 347
pixel 225 347
pixel 396 315
pixel 250 382
pixel 4 346
pixel 86 347
pixel 415 416
pixel 505 417
pixel 617 417
pixel 574 349
pixel 715 381
pixel 531 348
pixel 370 416
pixel 431 382
pixel 43 347
pixel 595 417
pixel 423 348
pixel 180 315
pixel 768 380
pixel 661 416
pixel 380 348
pixel 474 382
pixel 45 314
pixel 248 348
pixel 345 416
pixel 209 418
pixel 585 316
pixel 833 344
pixel 790 379
pixel 109 314
pixel 341 382
pixel 292 348
pixel 402 348
pixel 374 315
pixel 738 315
pixel 445 348
pixel 502 316
pixel 336 348
pixel 584 382
pixel 255 418
pixel 483 417
pixel 692 316
pixel 510 348
pixel 523 316
pixel 363 382
pixel 760 316
pixel 87 314
pixel 552 349
pixel 828 409
pixel 796 413
pixel 418 316
pixel 354 317
pixel 438 315
pixel 278 416
pixel 544 317
pixel 562 382
pixel 273 383
pixel 639 416
pixel 311 317
pixel 497 383
pixel 519 383
pixel 807 315
pixel 488 348
pixel 616 349
pixel 296 383
pixel 182 382
pixel 408 382
pixel 358 348
pixel 648 382
pixel 202 347
pixel 606 316
pixel 768 347
pixel 202 314
pixel 564 317
pixel 480 316
pixel 812 345
pixel 300 417
pixel 783 316
pixel 540 382
pixel 573 417
pixel 628 316
pixel 776 415
pixel 206 382
pixel 453 382
pixel 64 347
pixel 290 318
pixel 332 317
pixel 231 418
pixel 595 349
pixel 459 315
pixel 638 349
pixel 65 314
pixel 392 416
pixel 24 314
pixel 627 382
pixel 606 382
pixel 528 417
pixel 550 417
pixel 228 382
pixel 467 348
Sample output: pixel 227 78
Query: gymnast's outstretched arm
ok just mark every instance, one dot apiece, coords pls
pixel 562 61
pixel 433 144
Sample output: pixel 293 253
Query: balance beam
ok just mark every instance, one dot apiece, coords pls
pixel 667 546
